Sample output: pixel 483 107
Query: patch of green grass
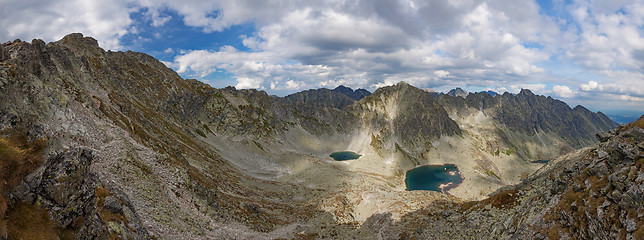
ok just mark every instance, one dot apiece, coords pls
pixel 200 132
pixel 509 152
pixel 491 173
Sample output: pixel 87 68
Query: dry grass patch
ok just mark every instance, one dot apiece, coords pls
pixel 503 200
pixel 26 221
pixel 18 157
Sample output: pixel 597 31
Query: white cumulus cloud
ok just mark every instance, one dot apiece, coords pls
pixel 299 44
pixel 591 85
pixel 563 91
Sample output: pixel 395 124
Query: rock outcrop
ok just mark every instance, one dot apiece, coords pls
pixel 78 201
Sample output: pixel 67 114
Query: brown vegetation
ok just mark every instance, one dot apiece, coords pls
pixel 18 157
pixel 26 221
pixel 639 122
pixel 504 200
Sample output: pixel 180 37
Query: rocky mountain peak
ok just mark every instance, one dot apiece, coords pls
pixel 402 83
pixel 581 108
pixel 400 87
pixel 525 92
pixel 80 44
pixel 429 90
pixel 490 92
pixel 79 39
pixel 406 107
pixel 356 95
pixel 342 88
pixel 457 92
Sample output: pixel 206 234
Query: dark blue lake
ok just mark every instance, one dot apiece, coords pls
pixel 439 178
pixel 541 161
pixel 341 156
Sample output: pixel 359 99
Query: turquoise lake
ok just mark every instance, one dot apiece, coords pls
pixel 342 156
pixel 439 178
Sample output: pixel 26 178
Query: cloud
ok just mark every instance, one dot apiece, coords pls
pixel 534 87
pixel 590 86
pixel 610 34
pixel 372 43
pixel 51 20
pixel 630 98
pixel 563 91
pixel 157 18
pixel 617 82
pixel 360 43
pixel 245 82
pixel 595 45
pixel 441 73
pixel 262 70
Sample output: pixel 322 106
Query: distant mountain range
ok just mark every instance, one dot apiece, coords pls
pixel 621 119
pixel 116 145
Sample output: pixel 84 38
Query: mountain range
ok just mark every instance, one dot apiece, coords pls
pixel 99 144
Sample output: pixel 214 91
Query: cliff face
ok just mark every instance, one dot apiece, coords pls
pixel 405 114
pixel 526 117
pixel 115 144
pixel 530 113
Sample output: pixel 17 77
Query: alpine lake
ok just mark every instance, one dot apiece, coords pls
pixel 343 156
pixel 439 178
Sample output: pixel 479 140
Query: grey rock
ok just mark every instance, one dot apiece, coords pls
pixel 630 224
pixel 603 136
pixel 112 204
pixel 601 154
pixel 66 187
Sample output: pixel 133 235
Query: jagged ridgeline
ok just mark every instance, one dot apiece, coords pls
pixel 117 145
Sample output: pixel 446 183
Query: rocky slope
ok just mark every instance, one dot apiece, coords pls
pixel 594 193
pixel 528 114
pixel 117 145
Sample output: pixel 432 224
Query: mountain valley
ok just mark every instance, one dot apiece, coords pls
pixel 117 145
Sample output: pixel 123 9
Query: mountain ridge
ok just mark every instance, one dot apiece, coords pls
pixel 188 157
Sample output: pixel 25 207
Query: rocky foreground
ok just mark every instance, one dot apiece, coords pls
pixel 97 144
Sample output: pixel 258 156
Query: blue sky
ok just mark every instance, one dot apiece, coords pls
pixel 584 52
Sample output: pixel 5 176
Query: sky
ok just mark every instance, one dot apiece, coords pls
pixel 579 51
